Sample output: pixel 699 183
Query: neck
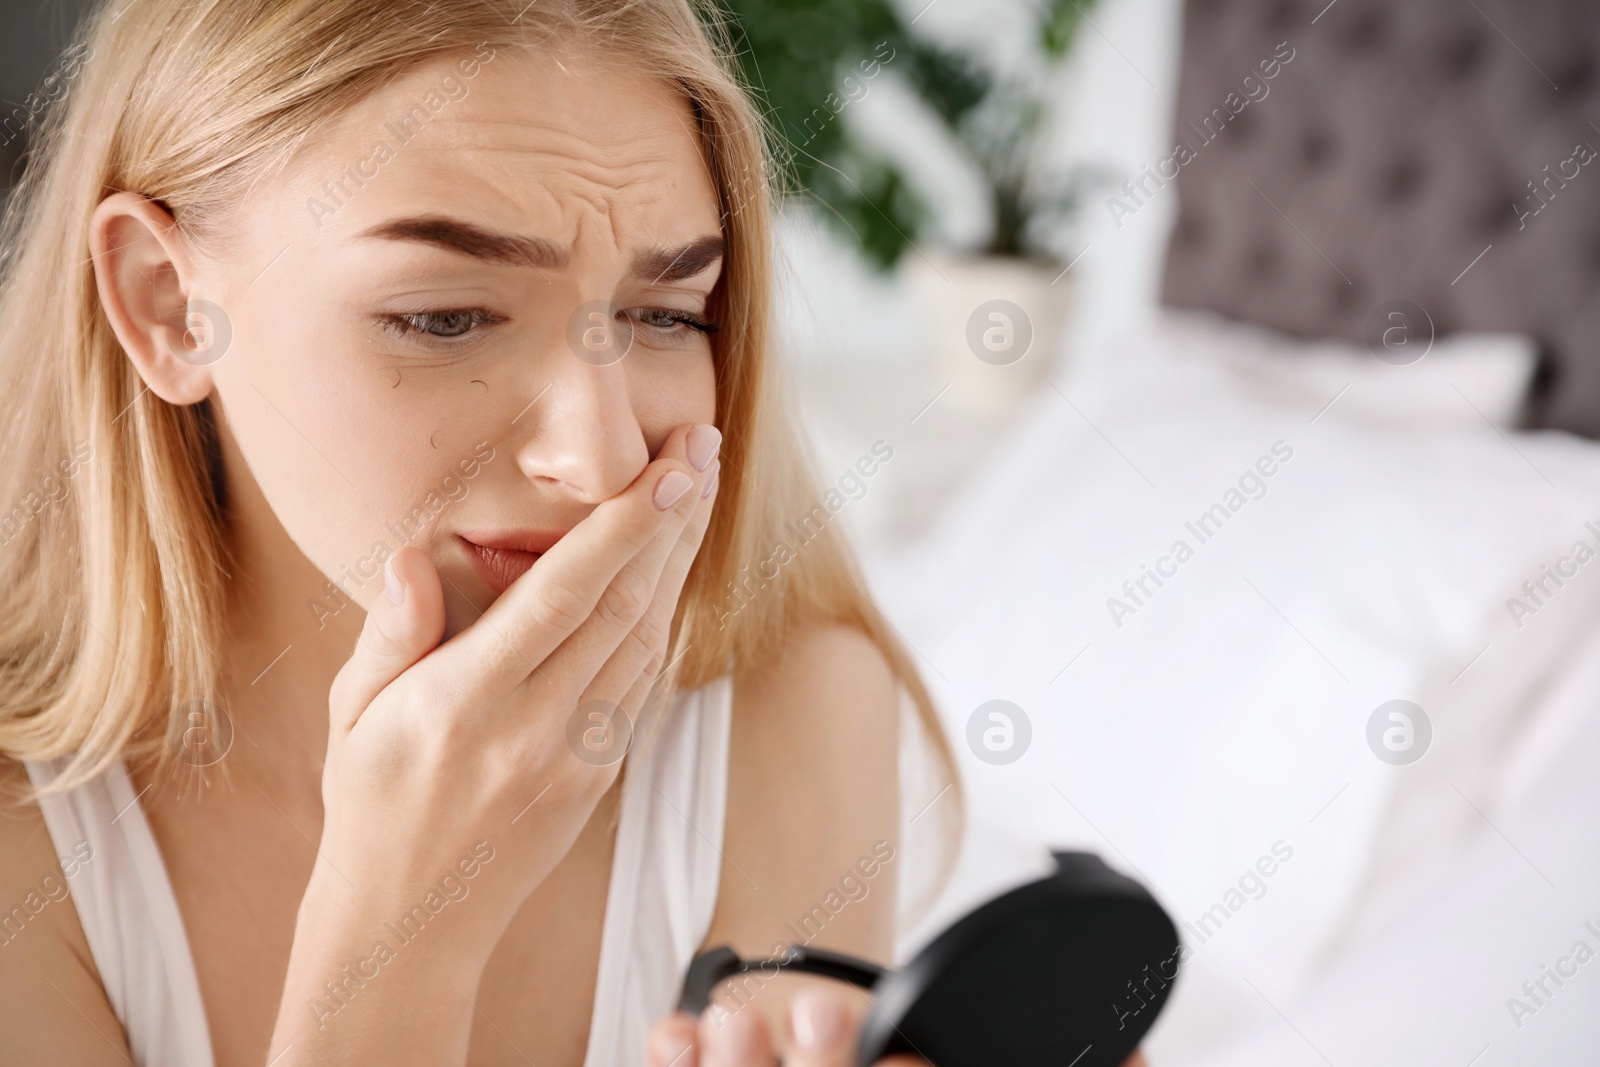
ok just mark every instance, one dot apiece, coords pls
pixel 283 651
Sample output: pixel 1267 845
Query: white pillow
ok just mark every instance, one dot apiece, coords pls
pixel 1461 380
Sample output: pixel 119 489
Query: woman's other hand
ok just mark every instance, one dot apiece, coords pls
pixel 823 1031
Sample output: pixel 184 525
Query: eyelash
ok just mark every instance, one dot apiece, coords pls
pixel 416 322
pixel 406 324
pixel 684 318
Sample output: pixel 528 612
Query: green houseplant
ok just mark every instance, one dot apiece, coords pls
pixel 812 59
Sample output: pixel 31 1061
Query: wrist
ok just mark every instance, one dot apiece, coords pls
pixel 363 973
pixel 343 922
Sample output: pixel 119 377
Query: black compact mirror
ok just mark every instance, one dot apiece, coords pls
pixel 1071 970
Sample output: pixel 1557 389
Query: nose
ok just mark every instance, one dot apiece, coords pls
pixel 582 439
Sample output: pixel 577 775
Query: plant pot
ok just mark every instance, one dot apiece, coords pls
pixel 994 323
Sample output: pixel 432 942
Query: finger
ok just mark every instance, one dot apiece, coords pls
pixel 638 663
pixel 622 617
pixel 1136 1060
pixel 824 1031
pixel 403 623
pixel 673 1042
pixel 541 609
pixel 735 1039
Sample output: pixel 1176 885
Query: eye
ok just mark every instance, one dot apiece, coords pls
pixel 669 322
pixel 438 328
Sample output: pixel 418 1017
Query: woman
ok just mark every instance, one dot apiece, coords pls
pixel 389 430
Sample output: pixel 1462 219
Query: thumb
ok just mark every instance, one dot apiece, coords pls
pixel 673 1042
pixel 404 623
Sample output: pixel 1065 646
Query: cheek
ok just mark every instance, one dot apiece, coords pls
pixel 341 455
pixel 670 389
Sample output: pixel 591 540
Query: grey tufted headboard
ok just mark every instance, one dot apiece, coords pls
pixel 1442 152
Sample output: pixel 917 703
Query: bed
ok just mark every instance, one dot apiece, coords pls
pixel 1359 526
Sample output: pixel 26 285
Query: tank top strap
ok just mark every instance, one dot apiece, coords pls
pixel 665 872
pixel 129 915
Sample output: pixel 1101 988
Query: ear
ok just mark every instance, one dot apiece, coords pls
pixel 145 274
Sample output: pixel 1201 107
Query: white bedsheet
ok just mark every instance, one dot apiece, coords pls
pixel 1225 716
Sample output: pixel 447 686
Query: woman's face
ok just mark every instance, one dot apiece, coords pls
pixel 430 316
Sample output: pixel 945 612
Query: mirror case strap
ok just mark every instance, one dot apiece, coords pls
pixel 715 966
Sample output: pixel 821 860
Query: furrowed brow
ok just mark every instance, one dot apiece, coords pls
pixel 467 239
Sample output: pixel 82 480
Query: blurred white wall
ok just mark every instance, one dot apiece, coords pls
pixel 863 358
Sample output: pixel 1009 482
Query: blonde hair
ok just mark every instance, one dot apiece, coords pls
pixel 113 587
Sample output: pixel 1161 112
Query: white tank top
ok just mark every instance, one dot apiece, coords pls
pixel 664 879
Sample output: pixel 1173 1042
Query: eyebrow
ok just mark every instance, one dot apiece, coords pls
pixel 676 264
pixel 488 246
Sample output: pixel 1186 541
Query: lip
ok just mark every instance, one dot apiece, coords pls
pixel 501 557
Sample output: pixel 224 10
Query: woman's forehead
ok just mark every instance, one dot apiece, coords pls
pixel 568 142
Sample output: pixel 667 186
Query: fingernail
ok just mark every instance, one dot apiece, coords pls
pixel 671 1050
pixel 819 1021
pixel 392 584
pixel 711 482
pixel 703 442
pixel 671 488
pixel 739 1040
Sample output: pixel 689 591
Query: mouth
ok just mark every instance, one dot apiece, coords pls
pixel 501 558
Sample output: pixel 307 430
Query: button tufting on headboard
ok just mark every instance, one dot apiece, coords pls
pixel 1345 155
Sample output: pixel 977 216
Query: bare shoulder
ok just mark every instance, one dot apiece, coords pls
pixel 820 722
pixel 813 799
pixel 56 1009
